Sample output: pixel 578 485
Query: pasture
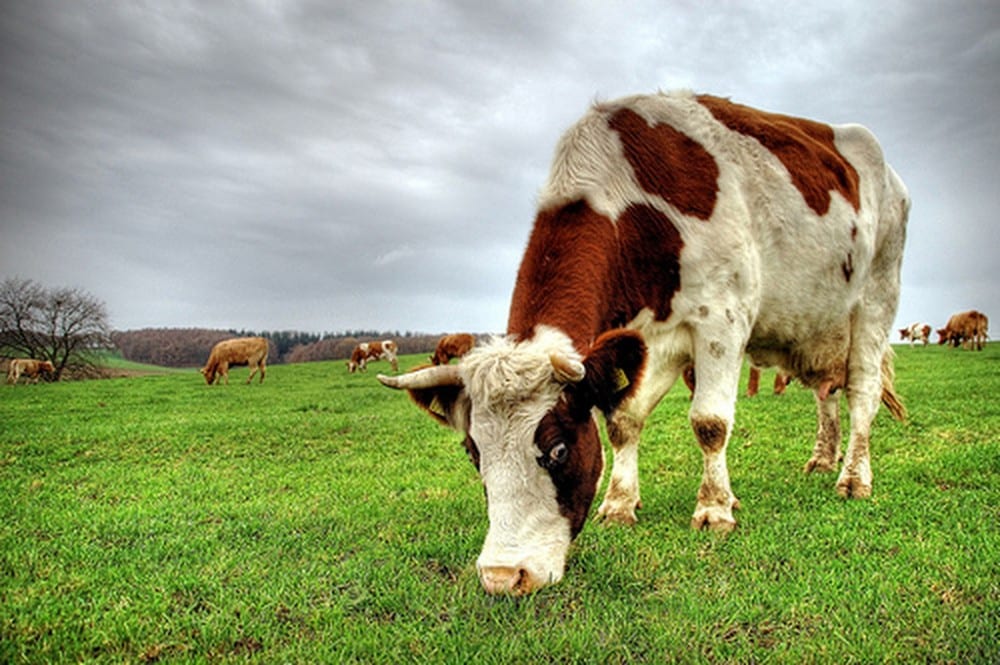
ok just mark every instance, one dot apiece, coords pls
pixel 319 517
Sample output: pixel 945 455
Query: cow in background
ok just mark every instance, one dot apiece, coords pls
pixel 28 367
pixel 916 332
pixel 968 329
pixel 366 352
pixel 675 229
pixel 452 346
pixel 250 351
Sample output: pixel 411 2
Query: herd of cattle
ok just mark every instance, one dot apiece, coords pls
pixel 677 234
pixel 966 329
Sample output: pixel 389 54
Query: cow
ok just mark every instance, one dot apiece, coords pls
pixel 367 351
pixel 968 329
pixel 452 346
pixel 674 229
pixel 28 367
pixel 916 332
pixel 250 351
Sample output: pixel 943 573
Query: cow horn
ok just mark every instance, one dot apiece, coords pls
pixel 566 369
pixel 430 377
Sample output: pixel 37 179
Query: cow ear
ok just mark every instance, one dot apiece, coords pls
pixel 449 405
pixel 613 368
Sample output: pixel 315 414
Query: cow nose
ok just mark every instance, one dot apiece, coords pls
pixel 508 580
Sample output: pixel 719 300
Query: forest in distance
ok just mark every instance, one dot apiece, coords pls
pixel 189 347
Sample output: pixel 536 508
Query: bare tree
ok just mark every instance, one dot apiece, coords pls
pixel 64 325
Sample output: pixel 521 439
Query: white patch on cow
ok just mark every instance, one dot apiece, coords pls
pixel 512 386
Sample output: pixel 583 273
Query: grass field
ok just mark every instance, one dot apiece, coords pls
pixel 321 518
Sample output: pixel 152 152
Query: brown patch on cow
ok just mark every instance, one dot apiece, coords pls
pixel 848 267
pixel 805 147
pixel 710 432
pixel 578 274
pixel 668 163
pixel 716 350
pixel 649 271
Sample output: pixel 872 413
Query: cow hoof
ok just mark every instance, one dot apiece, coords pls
pixel 854 488
pixel 617 515
pixel 714 518
pixel 821 464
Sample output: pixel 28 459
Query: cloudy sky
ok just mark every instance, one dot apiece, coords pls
pixel 328 166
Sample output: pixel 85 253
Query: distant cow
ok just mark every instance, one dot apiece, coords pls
pixel 28 367
pixel 452 346
pixel 368 351
pixel 916 332
pixel 968 329
pixel 675 229
pixel 250 351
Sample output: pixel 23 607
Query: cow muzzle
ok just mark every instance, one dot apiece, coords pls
pixel 508 580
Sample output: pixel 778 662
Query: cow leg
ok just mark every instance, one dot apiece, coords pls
pixel 718 365
pixel 753 381
pixel 621 498
pixel 826 453
pixel 856 475
pixel 224 371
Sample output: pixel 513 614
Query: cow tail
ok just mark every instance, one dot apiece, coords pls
pixel 889 397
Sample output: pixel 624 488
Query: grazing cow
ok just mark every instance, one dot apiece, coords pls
pixel 250 351
pixel 368 351
pixel 28 367
pixel 968 329
pixel 452 346
pixel 674 229
pixel 916 332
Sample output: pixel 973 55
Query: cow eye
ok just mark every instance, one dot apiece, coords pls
pixel 555 457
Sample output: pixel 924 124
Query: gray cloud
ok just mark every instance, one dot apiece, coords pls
pixel 375 165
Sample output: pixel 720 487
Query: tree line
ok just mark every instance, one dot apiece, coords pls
pixel 189 347
pixel 69 327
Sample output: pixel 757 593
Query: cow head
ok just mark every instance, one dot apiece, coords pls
pixel 526 409
pixel 209 374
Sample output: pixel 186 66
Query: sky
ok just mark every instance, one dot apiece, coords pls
pixel 335 166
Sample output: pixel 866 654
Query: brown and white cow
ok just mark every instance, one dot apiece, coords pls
pixel 674 229
pixel 452 346
pixel 28 367
pixel 916 332
pixel 250 351
pixel 969 329
pixel 368 351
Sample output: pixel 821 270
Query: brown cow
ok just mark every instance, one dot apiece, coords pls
pixel 366 351
pixel 452 346
pixel 250 351
pixel 28 367
pixel 968 329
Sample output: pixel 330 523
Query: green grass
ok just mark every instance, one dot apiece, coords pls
pixel 321 518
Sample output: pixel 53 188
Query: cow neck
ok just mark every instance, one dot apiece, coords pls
pixel 566 275
pixel 584 274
